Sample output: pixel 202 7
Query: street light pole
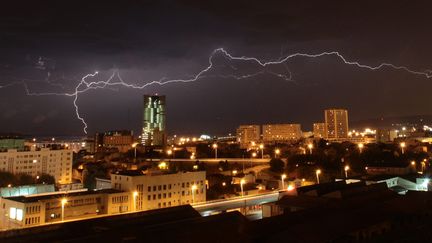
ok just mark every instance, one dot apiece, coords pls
pixel 360 146
pixel 402 145
pixel 135 195
pixel 262 150
pixel 242 181
pixel 63 203
pixel 283 176
pixel 310 146
pixel 277 152
pixel 318 172
pixel 215 147
pixel 346 171
pixel 194 187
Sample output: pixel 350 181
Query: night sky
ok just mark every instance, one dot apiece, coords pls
pixel 51 45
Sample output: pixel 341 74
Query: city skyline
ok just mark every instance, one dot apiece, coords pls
pixel 219 102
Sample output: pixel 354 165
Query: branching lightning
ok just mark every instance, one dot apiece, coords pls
pixel 83 86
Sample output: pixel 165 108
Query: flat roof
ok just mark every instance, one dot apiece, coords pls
pixel 36 198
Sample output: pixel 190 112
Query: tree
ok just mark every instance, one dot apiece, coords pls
pixel 46 179
pixel 277 165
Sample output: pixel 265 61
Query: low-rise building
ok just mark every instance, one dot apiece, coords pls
pixel 281 132
pixel 25 211
pixel 247 134
pixel 319 130
pixel 158 189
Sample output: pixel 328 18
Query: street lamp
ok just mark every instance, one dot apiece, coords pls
pixel 277 152
pixel 170 152
pixel 310 147
pixel 283 176
pixel 346 169
pixel 254 155
pixel 135 195
pixel 242 181
pixel 360 146
pixel 318 172
pixel 63 203
pixel 215 147
pixel 261 146
pixel 135 149
pixel 194 187
pixel 402 145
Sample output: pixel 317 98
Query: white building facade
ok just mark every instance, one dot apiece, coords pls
pixel 57 163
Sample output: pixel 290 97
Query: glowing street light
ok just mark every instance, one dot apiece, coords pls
pixel 135 195
pixel 360 146
pixel 242 181
pixel 346 169
pixel 135 149
pixel 254 155
pixel 283 176
pixel 318 172
pixel 170 153
pixel 277 152
pixel 402 145
pixel 63 203
pixel 193 188
pixel 234 172
pixel 310 147
pixel 261 146
pixel 215 147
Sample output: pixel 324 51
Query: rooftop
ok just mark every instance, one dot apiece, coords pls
pixel 36 198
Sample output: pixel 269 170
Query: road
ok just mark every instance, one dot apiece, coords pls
pixel 210 207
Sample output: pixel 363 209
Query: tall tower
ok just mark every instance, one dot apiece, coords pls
pixel 336 124
pixel 153 131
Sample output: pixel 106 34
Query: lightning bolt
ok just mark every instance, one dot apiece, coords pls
pixel 83 86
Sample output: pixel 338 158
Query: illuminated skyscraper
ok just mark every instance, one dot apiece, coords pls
pixel 336 121
pixel 153 132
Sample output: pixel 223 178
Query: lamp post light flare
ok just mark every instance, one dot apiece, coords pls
pixel 261 146
pixel 360 146
pixel 63 203
pixel 402 145
pixel 318 172
pixel 310 147
pixel 242 181
pixel 215 147
pixel 346 169
pixel 283 176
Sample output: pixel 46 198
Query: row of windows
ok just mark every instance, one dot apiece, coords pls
pixel 120 199
pixel 164 187
pixel 159 196
pixel 32 220
pixel 33 209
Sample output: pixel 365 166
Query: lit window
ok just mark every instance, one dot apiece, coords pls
pixel 12 213
pixel 19 214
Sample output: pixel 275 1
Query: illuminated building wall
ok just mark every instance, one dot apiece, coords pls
pixel 57 163
pixel 246 134
pixel 26 211
pixel 281 132
pixel 319 130
pixel 153 131
pixel 336 121
pixel 160 190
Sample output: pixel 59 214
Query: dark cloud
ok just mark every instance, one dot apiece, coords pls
pixel 148 40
